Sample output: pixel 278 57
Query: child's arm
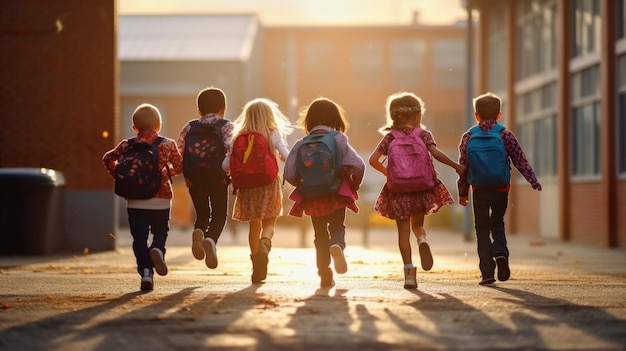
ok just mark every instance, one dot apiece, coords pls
pixel 515 152
pixel 461 184
pixel 174 159
pixel 374 161
pixel 445 159
pixel 290 172
pixel 109 160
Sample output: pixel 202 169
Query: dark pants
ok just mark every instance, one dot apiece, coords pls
pixel 329 230
pixel 211 205
pixel 142 222
pixel 489 209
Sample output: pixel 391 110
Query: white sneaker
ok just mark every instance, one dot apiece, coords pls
pixel 210 253
pixel 146 280
pixel 410 278
pixel 156 255
pixel 339 260
pixel 196 244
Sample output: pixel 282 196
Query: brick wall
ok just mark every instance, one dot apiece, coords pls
pixel 58 87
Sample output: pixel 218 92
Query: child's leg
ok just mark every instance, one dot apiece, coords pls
pixel 160 227
pixel 322 243
pixel 337 241
pixel 218 198
pixel 200 198
pixel 482 224
pixel 254 234
pixel 498 209
pixel 139 221
pixel 404 243
pixel 426 257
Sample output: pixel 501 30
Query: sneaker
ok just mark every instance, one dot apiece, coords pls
pixel 196 244
pixel 487 281
pixel 326 278
pixel 426 257
pixel 410 278
pixel 146 280
pixel 259 267
pixel 503 268
pixel 210 253
pixel 339 260
pixel 156 255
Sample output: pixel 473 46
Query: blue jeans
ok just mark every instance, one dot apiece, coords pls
pixel 211 205
pixel 142 222
pixel 489 209
pixel 329 230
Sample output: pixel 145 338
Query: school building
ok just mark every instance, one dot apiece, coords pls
pixel 560 67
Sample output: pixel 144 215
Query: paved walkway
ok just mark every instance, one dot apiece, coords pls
pixel 561 296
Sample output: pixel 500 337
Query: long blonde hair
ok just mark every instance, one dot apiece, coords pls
pixel 262 115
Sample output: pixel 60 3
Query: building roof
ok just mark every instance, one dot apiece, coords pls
pixel 186 37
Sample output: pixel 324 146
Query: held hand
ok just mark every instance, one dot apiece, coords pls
pixel 460 169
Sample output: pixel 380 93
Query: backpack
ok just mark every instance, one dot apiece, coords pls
pixel 137 174
pixel 204 153
pixel 409 164
pixel 488 164
pixel 318 165
pixel 252 163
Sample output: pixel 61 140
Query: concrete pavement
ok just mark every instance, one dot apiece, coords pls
pixel 561 296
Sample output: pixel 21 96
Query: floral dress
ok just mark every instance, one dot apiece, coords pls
pixel 401 206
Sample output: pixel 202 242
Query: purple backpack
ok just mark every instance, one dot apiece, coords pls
pixel 409 164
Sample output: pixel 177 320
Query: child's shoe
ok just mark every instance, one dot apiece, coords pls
pixel 147 282
pixel 210 253
pixel 326 278
pixel 410 278
pixel 487 281
pixel 426 257
pixel 339 260
pixel 156 255
pixel 503 268
pixel 196 244
pixel 260 260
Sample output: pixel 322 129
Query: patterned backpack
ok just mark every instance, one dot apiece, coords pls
pixel 137 174
pixel 410 167
pixel 204 153
pixel 318 165
pixel 252 163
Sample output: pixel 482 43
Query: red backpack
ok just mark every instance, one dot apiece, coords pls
pixel 252 163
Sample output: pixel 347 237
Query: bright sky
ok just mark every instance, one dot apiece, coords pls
pixel 307 12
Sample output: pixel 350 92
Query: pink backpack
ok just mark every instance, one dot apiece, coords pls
pixel 409 164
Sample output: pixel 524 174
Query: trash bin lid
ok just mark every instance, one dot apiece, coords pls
pixel 40 176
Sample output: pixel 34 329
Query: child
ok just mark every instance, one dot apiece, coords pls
pixel 327 212
pixel 404 113
pixel 261 205
pixel 209 194
pixel 145 215
pixel 490 200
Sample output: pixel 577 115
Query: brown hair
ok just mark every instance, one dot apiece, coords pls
pixel 211 100
pixel 147 117
pixel 487 106
pixel 323 111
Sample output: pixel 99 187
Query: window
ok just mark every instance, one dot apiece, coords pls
pixel 318 64
pixel 449 63
pixel 585 123
pixel 496 54
pixel 367 64
pixel 536 112
pixel 586 27
pixel 406 61
pixel 621 114
pixel 536 32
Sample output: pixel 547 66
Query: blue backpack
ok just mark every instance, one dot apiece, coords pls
pixel 488 164
pixel 204 153
pixel 137 174
pixel 318 165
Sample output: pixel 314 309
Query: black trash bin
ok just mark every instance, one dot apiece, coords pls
pixel 31 211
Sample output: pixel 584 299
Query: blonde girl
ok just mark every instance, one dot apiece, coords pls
pixel 404 113
pixel 261 206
